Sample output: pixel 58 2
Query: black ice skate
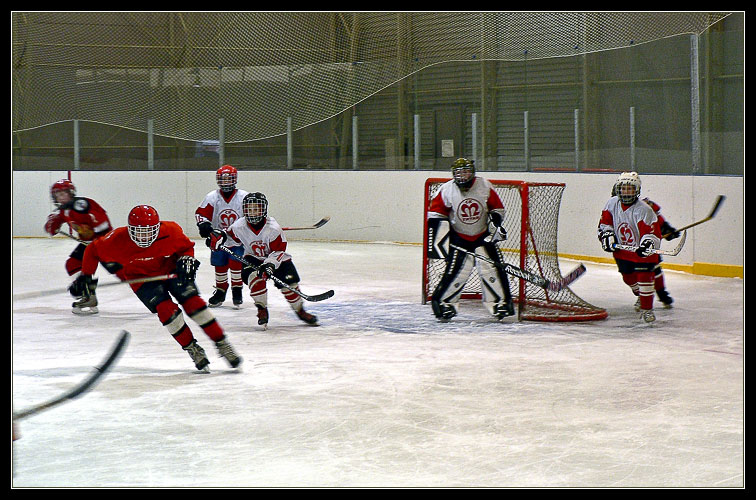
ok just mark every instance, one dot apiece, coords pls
pixel 236 295
pixel 86 305
pixel 307 317
pixel 227 351
pixel 218 298
pixel 262 316
pixel 444 312
pixel 197 353
pixel 664 298
pixel 503 310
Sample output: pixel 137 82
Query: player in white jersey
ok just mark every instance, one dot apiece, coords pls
pixel 669 233
pixel 467 202
pixel 264 245
pixel 627 220
pixel 221 208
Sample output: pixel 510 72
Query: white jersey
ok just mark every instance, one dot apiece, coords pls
pixel 467 211
pixel 220 212
pixel 268 244
pixel 631 226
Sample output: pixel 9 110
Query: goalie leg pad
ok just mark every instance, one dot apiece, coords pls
pixel 459 266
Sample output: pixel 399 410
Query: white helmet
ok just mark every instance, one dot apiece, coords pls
pixel 628 187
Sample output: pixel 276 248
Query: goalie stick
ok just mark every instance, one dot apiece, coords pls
pixel 310 298
pixel 85 385
pixel 320 223
pixel 537 280
pixel 673 252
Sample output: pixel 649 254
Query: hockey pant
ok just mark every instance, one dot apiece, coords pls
pixel 156 295
pixel 224 263
pixel 73 264
pixel 258 288
pixel 639 276
pixel 459 266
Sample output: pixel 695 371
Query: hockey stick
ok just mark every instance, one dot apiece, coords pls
pixel 674 251
pixel 718 203
pixel 310 298
pixel 320 223
pixel 85 385
pixel 73 238
pixel 537 280
pixel 45 293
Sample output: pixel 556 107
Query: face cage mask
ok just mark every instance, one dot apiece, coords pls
pixel 627 199
pixel 255 211
pixel 144 236
pixel 463 176
pixel 226 182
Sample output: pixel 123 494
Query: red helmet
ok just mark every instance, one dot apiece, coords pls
pixel 144 225
pixel 226 178
pixel 62 186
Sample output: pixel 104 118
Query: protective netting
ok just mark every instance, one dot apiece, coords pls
pixel 185 71
pixel 531 219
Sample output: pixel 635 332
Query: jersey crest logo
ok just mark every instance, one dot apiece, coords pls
pixel 226 218
pixel 625 234
pixel 469 211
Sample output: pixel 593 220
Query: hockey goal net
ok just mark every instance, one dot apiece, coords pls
pixel 531 219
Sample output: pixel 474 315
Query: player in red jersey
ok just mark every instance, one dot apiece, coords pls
pixel 218 210
pixel 469 202
pixel 83 215
pixel 148 247
pixel 627 220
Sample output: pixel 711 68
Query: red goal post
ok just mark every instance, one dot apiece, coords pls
pixel 531 220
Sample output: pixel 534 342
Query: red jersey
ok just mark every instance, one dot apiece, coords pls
pixel 84 215
pixel 117 250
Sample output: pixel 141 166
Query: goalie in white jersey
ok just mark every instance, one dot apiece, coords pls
pixel 217 212
pixel 264 245
pixel 467 202
pixel 627 220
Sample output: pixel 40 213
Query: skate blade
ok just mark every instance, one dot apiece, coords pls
pixel 214 305
pixel 85 312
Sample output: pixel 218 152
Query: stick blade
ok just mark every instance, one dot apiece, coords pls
pixel 318 297
pixel 568 278
pixel 322 222
pixel 718 203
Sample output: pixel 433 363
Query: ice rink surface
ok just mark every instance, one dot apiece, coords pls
pixel 381 394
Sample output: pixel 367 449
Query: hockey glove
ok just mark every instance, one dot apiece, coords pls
pixel 216 239
pixel 54 221
pixel 205 228
pixel 669 232
pixel 83 286
pixel 645 249
pixel 186 268
pixel 608 240
pixel 265 271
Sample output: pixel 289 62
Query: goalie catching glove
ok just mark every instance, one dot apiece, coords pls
pixel 500 234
